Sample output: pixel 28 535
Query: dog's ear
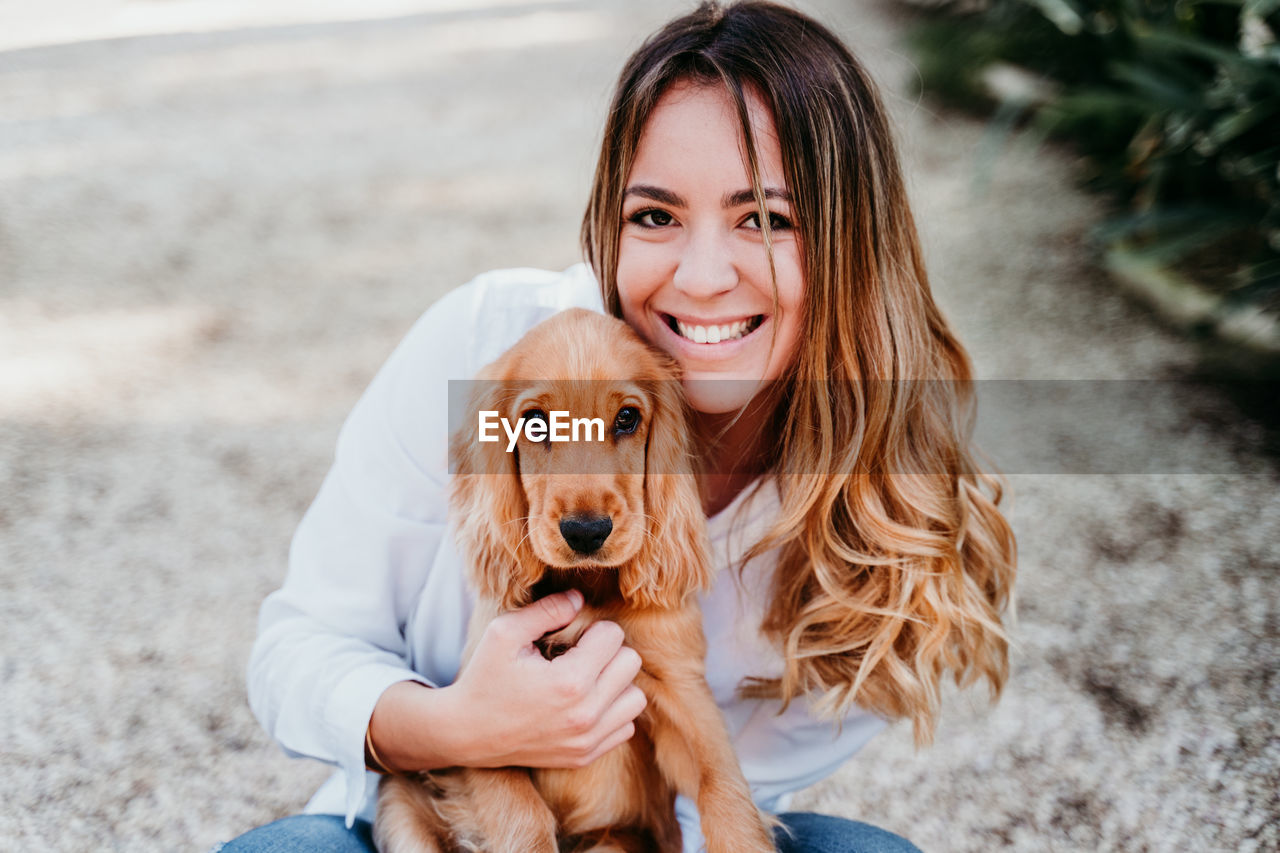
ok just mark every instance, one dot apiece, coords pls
pixel 673 563
pixel 488 503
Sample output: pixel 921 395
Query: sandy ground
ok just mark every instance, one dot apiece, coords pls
pixel 209 242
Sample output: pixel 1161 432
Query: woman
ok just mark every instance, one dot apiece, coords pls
pixel 748 217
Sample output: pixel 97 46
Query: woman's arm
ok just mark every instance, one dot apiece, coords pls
pixel 331 640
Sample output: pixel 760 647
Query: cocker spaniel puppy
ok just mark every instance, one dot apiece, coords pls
pixel 615 514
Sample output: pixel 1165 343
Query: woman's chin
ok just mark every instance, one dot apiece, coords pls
pixel 720 396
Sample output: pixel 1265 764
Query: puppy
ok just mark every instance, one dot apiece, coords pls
pixel 619 519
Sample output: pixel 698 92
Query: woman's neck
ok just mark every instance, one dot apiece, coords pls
pixel 735 448
pixel 719 490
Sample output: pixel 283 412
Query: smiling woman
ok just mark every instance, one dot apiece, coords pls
pixel 748 218
pixel 893 561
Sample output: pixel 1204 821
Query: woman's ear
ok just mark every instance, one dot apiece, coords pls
pixel 488 502
pixel 673 563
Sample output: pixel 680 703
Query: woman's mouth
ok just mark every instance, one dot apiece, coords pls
pixel 713 333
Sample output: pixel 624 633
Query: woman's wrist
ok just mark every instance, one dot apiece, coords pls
pixel 414 728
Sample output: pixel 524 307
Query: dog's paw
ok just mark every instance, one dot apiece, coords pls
pixel 553 645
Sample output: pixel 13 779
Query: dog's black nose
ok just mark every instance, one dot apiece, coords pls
pixel 585 534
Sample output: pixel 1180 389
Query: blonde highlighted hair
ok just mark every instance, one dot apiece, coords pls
pixel 895 564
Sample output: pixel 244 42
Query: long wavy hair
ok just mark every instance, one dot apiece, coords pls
pixel 895 564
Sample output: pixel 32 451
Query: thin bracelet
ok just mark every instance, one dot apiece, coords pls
pixel 372 761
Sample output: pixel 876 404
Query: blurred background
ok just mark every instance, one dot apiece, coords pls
pixel 217 218
pixel 1174 109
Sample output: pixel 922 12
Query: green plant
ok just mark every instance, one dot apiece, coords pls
pixel 1175 105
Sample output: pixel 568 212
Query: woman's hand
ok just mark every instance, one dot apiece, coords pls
pixel 512 707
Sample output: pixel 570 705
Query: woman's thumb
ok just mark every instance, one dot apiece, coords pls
pixel 546 614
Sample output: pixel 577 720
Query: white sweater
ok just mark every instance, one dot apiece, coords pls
pixel 376 590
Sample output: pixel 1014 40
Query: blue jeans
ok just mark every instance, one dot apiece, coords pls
pixel 808 833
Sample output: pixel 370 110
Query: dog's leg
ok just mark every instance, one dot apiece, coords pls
pixel 691 743
pixel 408 820
pixel 619 841
pixel 693 750
pixel 509 813
pixel 494 811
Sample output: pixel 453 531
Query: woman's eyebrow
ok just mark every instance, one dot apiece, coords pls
pixel 653 193
pixel 747 196
pixel 740 197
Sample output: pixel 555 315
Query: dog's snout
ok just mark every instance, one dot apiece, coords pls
pixel 584 533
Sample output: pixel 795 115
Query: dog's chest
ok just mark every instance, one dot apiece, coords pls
pixel 599 587
pixel 601 600
pixel 620 790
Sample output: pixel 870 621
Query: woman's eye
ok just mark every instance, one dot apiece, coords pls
pixel 777 222
pixel 627 420
pixel 650 218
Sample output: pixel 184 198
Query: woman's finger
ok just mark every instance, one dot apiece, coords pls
pixel 618 737
pixel 521 627
pixel 617 675
pixel 595 649
pixel 628 705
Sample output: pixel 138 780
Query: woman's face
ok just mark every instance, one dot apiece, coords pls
pixel 693 275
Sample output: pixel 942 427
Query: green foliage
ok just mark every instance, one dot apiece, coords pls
pixel 1174 103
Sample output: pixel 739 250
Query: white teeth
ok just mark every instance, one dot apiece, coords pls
pixel 716 334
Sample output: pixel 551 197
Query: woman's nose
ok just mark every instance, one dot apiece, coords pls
pixel 706 266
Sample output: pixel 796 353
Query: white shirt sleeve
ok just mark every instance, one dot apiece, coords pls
pixel 331 640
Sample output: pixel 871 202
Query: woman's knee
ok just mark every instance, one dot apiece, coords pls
pixel 808 832
pixel 312 832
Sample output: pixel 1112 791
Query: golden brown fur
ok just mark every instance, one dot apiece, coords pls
pixel 509 507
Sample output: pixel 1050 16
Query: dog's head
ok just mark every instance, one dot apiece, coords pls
pixel 610 487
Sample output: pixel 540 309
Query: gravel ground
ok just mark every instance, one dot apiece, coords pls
pixel 209 242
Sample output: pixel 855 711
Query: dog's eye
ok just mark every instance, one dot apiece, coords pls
pixel 627 420
pixel 535 415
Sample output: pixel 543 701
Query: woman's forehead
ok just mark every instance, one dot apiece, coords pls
pixel 694 131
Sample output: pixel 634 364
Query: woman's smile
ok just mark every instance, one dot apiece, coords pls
pixel 713 331
pixel 691 340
